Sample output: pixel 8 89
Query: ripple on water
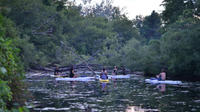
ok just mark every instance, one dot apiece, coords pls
pixel 33 104
pixel 197 101
pixel 51 108
pixel 160 97
pixel 185 91
pixel 87 92
pixel 39 90
pixel 185 86
pixel 77 106
pixel 92 99
pixel 169 95
pixel 74 94
pixel 179 103
pixel 124 100
pixel 99 100
pixel 80 106
pixel 45 98
pixel 39 80
pixel 59 96
pixel 36 102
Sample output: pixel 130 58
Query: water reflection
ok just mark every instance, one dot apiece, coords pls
pixel 161 87
pixel 104 86
pixel 139 109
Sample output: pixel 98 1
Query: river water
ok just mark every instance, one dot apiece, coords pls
pixel 121 95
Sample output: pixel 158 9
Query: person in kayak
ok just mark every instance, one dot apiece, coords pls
pixel 72 73
pixel 162 75
pixel 103 74
pixel 123 70
pixel 114 70
pixel 57 71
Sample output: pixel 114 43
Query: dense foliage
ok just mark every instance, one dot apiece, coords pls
pixel 11 68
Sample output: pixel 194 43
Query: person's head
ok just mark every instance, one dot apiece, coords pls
pixel 162 70
pixel 71 68
pixel 104 69
pixel 115 67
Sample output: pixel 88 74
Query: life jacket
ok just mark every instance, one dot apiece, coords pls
pixel 104 76
pixel 115 71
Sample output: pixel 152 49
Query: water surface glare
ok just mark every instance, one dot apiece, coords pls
pixel 120 95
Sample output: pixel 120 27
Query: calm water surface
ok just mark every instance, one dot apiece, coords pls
pixel 121 95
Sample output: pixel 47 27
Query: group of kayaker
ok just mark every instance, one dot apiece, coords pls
pixel 115 70
pixel 103 75
pixel 72 74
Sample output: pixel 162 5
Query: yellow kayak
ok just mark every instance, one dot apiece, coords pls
pixel 104 80
pixel 58 76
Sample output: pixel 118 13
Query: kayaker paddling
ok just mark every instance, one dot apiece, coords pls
pixel 114 70
pixel 72 73
pixel 104 74
pixel 57 71
pixel 123 70
pixel 162 75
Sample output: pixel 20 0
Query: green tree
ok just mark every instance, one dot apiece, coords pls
pixel 180 48
pixel 151 26
pixel 125 30
pixel 175 8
